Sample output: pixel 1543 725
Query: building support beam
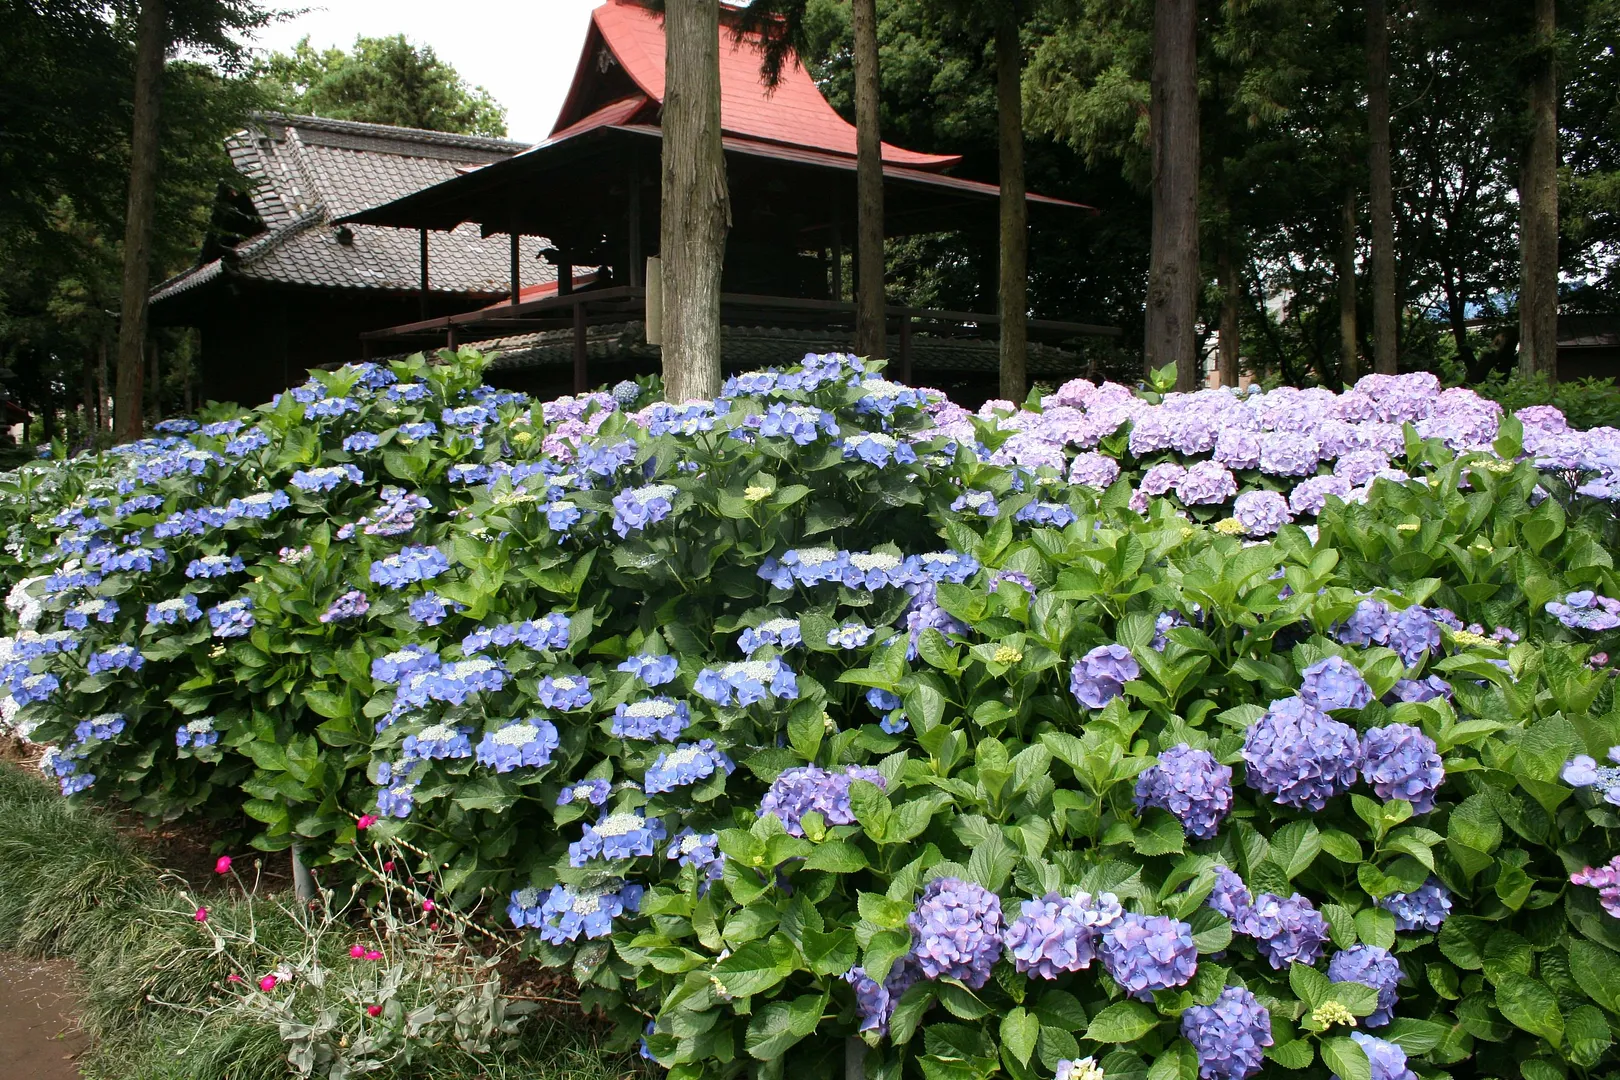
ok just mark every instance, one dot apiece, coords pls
pixel 517 278
pixel 581 359
pixel 423 241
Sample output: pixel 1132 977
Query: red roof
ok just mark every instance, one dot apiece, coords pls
pixel 793 114
pixel 542 290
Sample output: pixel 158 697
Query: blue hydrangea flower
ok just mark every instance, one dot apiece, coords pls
pixel 591 792
pixel 1334 683
pixel 196 734
pixel 651 670
pixel 1388 1060
pixel 169 612
pixel 258 507
pixel 116 658
pixel 801 423
pixel 351 605
pixel 748 681
pixel 881 397
pixel 232 619
pixel 362 441
pixel 653 718
pixel 213 566
pixel 686 764
pixel 1428 688
pixel 568 913
pixel 100 608
pixel 399 665
pixel 527 743
pixel 851 635
pixel 431 609
pixel 1145 953
pixel 1230 1035
pixel 1301 756
pixel 874 570
pixel 102 727
pixel 807 566
pixel 1586 610
pixel 1055 515
pixel 956 931
pixel 1424 910
pixel 1190 784
pixel 875 1001
pixel 876 448
pixel 1230 896
pixel 1400 762
pixel 565 692
pixel 1371 966
pixel 135 560
pixel 1100 676
pixel 796 792
pixel 452 684
pixel 1058 934
pixel 550 632
pixel 606 459
pixel 26 688
pixel 780 632
pixel 1285 931
pixel 691 848
pixel 410 565
pixel 1413 632
pixel 636 508
pixel 616 836
pixel 438 742
pixel 331 407
pixel 250 440
pixel 561 515
pixel 326 478
pixel 982 503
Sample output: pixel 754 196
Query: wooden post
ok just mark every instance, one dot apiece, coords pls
pixel 517 278
pixel 581 374
pixel 654 325
pixel 905 349
pixel 422 233
pixel 837 256
pixel 565 276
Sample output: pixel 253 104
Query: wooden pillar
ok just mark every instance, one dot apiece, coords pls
pixel 581 374
pixel 837 256
pixel 452 340
pixel 905 349
pixel 422 238
pixel 517 278
pixel 565 276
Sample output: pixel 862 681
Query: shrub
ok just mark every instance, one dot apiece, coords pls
pixel 827 711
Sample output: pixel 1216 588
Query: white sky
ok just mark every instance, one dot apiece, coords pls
pixel 522 51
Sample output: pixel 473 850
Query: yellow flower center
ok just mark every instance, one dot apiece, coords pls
pixel 754 493
pixel 1332 1012
pixel 1006 654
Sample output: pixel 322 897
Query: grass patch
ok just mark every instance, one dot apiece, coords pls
pixel 157 994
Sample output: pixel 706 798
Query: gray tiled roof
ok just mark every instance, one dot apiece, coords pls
pixel 308 171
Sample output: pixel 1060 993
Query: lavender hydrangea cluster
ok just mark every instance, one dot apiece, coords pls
pixel 1586 610
pixel 636 508
pixel 1411 632
pixel 875 1001
pixel 1424 909
pixel 1144 953
pixel 1334 683
pixel 956 931
pixel 798 791
pixel 569 913
pixel 1058 934
pixel 1285 931
pixel 1230 1035
pixel 1583 771
pixel 1606 880
pixel 1300 756
pixel 1190 784
pixel 1371 966
pixel 1386 1059
pixel 1400 762
pixel 746 682
pixel 1100 676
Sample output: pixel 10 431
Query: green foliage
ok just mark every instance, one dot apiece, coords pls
pixel 1587 403
pixel 383 80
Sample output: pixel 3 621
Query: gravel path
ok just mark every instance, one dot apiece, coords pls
pixel 40 1037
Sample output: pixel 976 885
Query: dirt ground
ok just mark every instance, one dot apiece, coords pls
pixel 39 1034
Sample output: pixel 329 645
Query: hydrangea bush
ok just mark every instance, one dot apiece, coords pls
pixel 826 724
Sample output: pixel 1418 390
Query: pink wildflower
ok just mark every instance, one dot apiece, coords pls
pixel 428 905
pixel 373 1010
pixel 223 866
pixel 268 983
pixel 202 914
pixel 366 821
pixel 357 951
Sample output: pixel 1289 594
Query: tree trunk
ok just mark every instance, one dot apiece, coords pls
pixel 87 393
pixel 1173 272
pixel 1381 187
pixel 103 421
pixel 1014 300
pixel 1231 295
pixel 150 43
pixel 1347 290
pixel 871 337
pixel 1538 210
pixel 696 203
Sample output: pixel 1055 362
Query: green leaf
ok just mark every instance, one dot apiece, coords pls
pixel 1346 1060
pixel 1294 1054
pixel 832 953
pixel 1159 834
pixel 960 1001
pixel 882 911
pixel 1596 971
pixel 1528 1004
pixel 1178 1061
pixel 1295 846
pixel 1019 1033
pixel 756 966
pixel 1309 985
pixel 781 1024
pixel 1122 1022
pixel 836 856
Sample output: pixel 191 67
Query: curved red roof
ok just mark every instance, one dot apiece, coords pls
pixel 794 113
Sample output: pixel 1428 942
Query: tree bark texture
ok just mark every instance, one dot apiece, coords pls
pixel 1538 209
pixel 1231 295
pixel 1347 290
pixel 696 202
pixel 871 337
pixel 1014 300
pixel 1381 187
pixel 151 42
pixel 1173 273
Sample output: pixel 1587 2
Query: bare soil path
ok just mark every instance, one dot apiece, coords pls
pixel 40 1038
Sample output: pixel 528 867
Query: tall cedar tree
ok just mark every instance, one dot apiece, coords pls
pixel 1382 188
pixel 1174 278
pixel 151 43
pixel 871 335
pixel 1014 277
pixel 1538 207
pixel 696 201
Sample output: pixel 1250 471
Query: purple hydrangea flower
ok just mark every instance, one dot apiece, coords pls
pixel 1190 784
pixel 1058 934
pixel 1334 683
pixel 1301 756
pixel 1093 470
pixel 565 692
pixel 651 670
pixel 875 1001
pixel 1425 910
pixel 1055 515
pixel 956 931
pixel 1229 1035
pixel 351 605
pixel 1428 688
pixel 1585 610
pixel 796 792
pixel 591 792
pixel 1606 880
pixel 1371 966
pixel 1412 632
pixel 1287 453
pixel 1100 676
pixel 981 503
pixel 1230 896
pixel 1145 953
pixel 636 508
pixel 1261 513
pixel 1400 762
pixel 1161 478
pixel 1388 1060
pixel 1207 483
pixel 1285 931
